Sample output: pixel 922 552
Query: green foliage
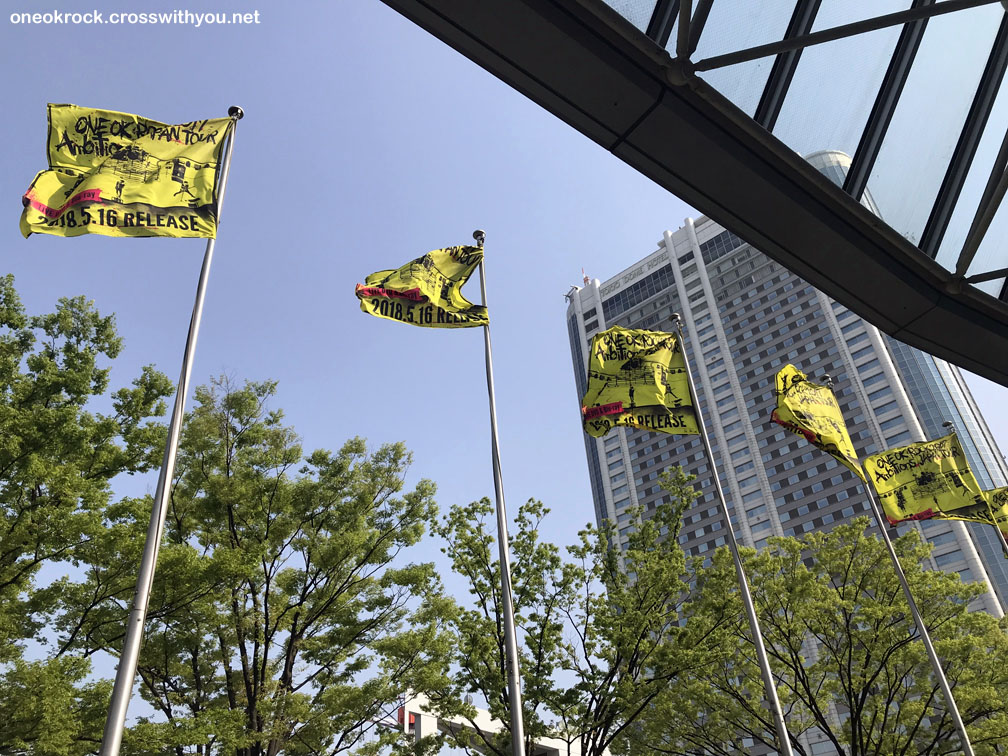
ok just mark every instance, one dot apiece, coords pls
pixel 845 652
pixel 601 631
pixel 284 616
pixel 56 456
pixel 57 459
pixel 47 707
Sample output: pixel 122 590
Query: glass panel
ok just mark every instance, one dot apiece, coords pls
pixel 736 25
pixel 833 116
pixel 991 287
pixel 993 251
pixel 930 114
pixel 637 12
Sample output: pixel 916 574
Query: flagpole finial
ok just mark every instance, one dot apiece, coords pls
pixel 235 112
pixel 948 425
pixel 677 318
pixel 480 237
pixel 828 380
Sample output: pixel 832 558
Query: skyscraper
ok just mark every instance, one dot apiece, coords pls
pixel 744 317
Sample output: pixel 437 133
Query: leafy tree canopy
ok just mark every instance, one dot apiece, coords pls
pixel 602 631
pixel 845 652
pixel 285 615
pixel 58 456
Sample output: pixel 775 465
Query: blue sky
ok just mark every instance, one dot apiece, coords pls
pixel 366 143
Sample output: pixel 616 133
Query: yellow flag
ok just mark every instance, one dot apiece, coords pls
pixel 924 480
pixel 978 511
pixel 118 174
pixel 637 378
pixel 427 291
pixel 811 410
pixel 998 501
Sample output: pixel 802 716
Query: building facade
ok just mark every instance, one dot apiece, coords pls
pixel 744 317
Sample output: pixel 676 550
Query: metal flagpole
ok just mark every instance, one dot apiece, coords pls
pixel 783 739
pixel 932 655
pixel 1004 541
pixel 918 620
pixel 126 670
pixel 510 638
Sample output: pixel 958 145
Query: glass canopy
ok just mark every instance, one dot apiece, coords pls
pixel 907 94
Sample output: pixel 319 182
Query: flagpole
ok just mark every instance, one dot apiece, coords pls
pixel 932 655
pixel 510 637
pixel 918 620
pixel 1004 542
pixel 783 738
pixel 126 669
pixel 1001 535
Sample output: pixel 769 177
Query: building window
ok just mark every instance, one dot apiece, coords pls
pixel 945 560
pixel 871 381
pixel 885 408
pixel 855 356
pixel 882 393
pixel 941 538
pixel 636 293
pixel 898 438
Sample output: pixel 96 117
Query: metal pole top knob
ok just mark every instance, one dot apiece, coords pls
pixel 480 237
pixel 235 112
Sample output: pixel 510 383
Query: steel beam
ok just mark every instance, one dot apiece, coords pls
pixel 663 20
pixel 885 104
pixel 969 139
pixel 837 32
pixel 785 64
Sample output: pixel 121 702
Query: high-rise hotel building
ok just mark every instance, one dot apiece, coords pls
pixel 744 317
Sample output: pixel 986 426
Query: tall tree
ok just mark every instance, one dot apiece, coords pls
pixel 58 454
pixel 284 616
pixel 603 631
pixel 846 653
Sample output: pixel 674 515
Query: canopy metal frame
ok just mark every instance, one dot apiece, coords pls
pixel 638 94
